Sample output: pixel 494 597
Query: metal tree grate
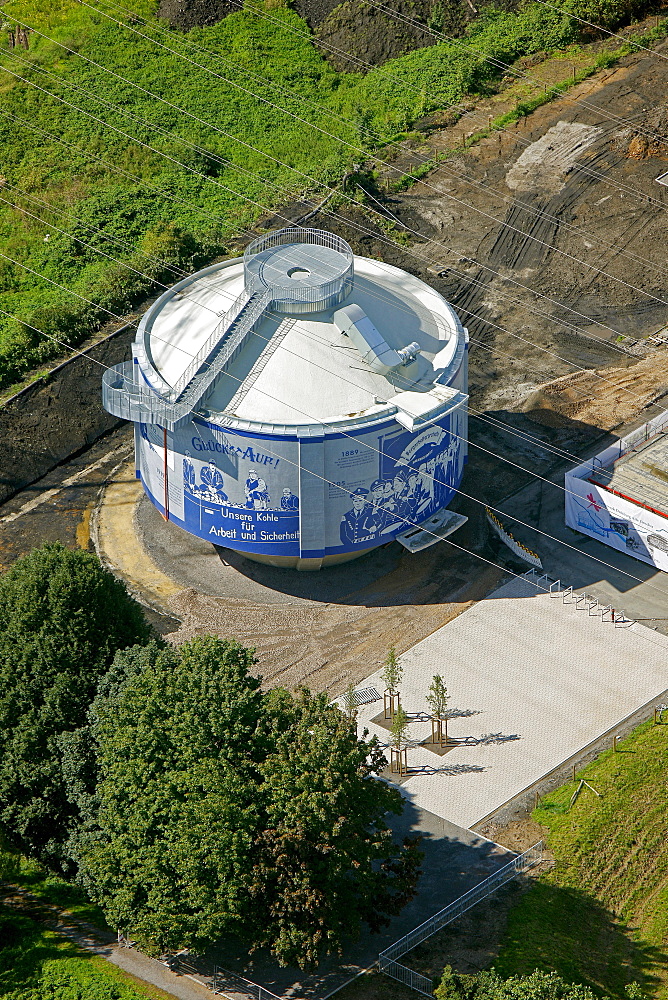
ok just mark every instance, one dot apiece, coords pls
pixel 365 696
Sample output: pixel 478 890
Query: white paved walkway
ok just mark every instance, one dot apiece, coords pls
pixel 541 677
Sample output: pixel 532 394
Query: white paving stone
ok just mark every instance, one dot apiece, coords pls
pixel 529 667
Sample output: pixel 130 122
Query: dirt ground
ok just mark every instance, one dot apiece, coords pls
pixel 560 352
pixel 330 645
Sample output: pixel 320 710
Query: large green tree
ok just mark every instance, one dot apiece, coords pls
pixel 222 810
pixel 170 852
pixel 327 861
pixel 62 619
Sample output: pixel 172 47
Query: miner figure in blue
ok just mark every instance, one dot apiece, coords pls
pixel 288 500
pixel 257 494
pixel 357 524
pixel 212 482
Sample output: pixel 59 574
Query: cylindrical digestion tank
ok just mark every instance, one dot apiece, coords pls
pixel 300 406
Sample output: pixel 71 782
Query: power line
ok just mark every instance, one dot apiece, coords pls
pixel 383 239
pixel 420 257
pixel 360 150
pixel 403 83
pixel 75 293
pixel 355 439
pixel 599 27
pixel 468 278
pixel 542 445
pixel 500 63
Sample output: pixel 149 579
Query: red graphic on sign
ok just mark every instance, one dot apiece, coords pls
pixel 592 502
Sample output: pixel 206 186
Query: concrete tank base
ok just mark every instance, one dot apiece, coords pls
pixel 302 565
pixel 193 563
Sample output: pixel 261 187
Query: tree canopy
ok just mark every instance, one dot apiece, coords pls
pixel 326 862
pixel 62 619
pixel 222 810
pixel 437 697
pixel 392 671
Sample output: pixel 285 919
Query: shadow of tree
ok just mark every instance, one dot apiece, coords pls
pixel 570 931
pixel 24 947
pixel 446 769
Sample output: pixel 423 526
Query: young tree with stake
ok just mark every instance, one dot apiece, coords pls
pixel 391 678
pixel 437 699
pixel 400 724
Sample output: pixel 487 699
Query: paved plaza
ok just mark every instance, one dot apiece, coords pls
pixel 531 677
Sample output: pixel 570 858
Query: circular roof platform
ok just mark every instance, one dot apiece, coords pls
pixel 305 270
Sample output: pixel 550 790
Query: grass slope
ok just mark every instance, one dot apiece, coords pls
pixel 68 138
pixel 600 916
pixel 35 964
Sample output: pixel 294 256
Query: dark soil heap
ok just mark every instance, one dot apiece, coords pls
pixel 187 14
pixel 372 35
pixel 369 33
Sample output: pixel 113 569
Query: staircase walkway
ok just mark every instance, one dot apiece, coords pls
pixel 226 340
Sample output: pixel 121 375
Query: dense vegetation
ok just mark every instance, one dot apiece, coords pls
pixel 62 619
pixel 536 986
pixel 218 809
pixel 158 190
pixel 600 915
pixel 188 803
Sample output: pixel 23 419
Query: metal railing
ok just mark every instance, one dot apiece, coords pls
pixel 520 864
pixel 240 326
pixel 210 343
pixel 414 980
pixel 323 294
pixel 123 396
pixel 225 981
pixel 582 602
pixel 126 398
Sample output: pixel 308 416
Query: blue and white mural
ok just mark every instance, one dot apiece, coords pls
pixel 243 491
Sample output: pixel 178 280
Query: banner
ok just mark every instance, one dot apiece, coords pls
pixel 623 525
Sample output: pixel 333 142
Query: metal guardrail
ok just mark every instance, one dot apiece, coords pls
pixel 125 397
pixel 225 981
pixel 414 980
pixel 523 862
pixel 228 343
pixel 205 350
pixel 327 292
pixel 582 601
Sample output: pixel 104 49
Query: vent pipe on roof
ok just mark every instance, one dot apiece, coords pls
pixel 354 323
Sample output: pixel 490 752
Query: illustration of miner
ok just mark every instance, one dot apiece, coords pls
pixel 416 499
pixel 357 524
pixel 288 500
pixel 379 504
pixel 398 508
pixel 257 494
pixel 212 482
pixel 189 478
pixel 445 462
